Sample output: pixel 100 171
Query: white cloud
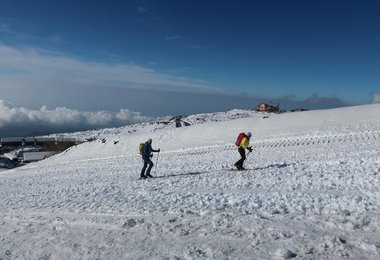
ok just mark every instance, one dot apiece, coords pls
pixel 11 116
pixel 33 67
pixel 376 97
pixel 126 115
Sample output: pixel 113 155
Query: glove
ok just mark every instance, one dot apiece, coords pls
pixel 249 149
pixel 159 150
pixel 151 156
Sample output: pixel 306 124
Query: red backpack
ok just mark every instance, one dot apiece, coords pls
pixel 239 139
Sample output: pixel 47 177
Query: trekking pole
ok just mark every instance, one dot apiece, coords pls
pixel 246 156
pixel 155 170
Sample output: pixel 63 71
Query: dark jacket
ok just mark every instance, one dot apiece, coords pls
pixel 148 150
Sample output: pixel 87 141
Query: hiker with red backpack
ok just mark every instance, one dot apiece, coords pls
pixel 243 143
pixel 146 155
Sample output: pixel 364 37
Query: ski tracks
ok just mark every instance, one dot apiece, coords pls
pixel 305 141
pixel 307 197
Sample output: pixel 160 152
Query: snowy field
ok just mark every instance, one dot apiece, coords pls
pixel 314 195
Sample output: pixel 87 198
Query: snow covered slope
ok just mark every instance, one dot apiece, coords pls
pixel 314 195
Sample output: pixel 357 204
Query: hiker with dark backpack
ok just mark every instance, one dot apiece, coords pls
pixel 146 152
pixel 243 143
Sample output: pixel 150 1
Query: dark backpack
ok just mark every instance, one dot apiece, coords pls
pixel 239 139
pixel 141 148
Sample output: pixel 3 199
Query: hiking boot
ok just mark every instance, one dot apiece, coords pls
pixel 149 176
pixel 143 177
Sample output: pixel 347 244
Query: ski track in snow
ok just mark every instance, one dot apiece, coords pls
pixel 314 196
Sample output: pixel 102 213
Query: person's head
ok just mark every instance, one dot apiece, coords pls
pixel 150 140
pixel 249 134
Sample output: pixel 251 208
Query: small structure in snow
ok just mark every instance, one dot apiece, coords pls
pixel 37 156
pixel 299 110
pixel 179 121
pixel 265 107
pixel 7 163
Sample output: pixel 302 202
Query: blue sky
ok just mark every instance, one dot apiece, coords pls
pixel 148 55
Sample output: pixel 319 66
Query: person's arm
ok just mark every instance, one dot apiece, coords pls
pixel 156 151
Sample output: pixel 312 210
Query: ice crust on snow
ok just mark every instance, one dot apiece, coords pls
pixel 315 194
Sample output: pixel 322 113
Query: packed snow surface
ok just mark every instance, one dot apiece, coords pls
pixel 311 191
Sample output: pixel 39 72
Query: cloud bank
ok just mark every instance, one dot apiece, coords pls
pixel 45 120
pixel 22 121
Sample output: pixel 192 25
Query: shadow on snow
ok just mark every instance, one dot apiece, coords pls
pixel 180 175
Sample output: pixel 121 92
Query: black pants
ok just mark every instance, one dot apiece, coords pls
pixel 147 161
pixel 239 164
